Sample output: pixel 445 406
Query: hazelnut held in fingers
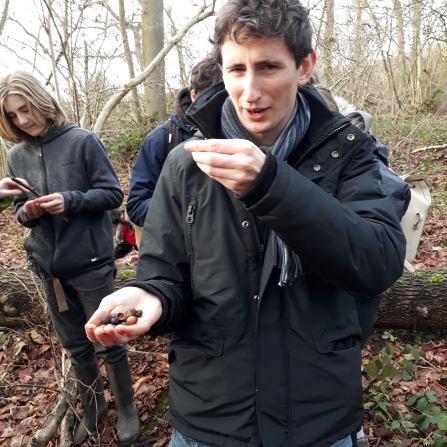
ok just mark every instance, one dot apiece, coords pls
pixel 129 318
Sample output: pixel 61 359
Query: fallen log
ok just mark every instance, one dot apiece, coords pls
pixel 22 301
pixel 416 301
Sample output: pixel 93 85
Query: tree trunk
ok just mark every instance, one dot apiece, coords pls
pixel 130 67
pixel 328 41
pixel 400 46
pixel 416 301
pixel 152 35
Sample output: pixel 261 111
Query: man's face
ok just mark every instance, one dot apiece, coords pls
pixel 262 78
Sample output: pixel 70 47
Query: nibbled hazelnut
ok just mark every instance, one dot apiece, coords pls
pixel 132 320
pixel 121 316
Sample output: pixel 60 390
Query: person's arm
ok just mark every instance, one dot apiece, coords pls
pixel 351 237
pixel 162 282
pixel 105 192
pixel 145 173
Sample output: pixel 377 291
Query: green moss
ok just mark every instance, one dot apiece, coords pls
pixel 418 274
pixel 399 281
pixel 126 273
pixel 436 278
pixel 159 413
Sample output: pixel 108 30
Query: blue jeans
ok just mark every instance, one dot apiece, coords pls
pixel 178 440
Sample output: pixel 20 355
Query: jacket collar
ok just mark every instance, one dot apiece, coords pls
pixel 182 102
pixel 205 112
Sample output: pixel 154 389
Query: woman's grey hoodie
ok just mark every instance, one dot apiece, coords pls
pixel 73 162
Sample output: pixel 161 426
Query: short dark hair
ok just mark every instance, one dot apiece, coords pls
pixel 205 74
pixel 286 19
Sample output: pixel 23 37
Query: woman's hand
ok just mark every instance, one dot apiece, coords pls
pixel 121 301
pixel 11 188
pixel 32 210
pixel 52 203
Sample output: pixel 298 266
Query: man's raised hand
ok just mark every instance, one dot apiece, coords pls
pixel 234 163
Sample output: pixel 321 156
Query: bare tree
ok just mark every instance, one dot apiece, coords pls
pixel 203 12
pixel 152 33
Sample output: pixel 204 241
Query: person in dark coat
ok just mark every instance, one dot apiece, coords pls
pixel 153 152
pixel 70 244
pixel 263 229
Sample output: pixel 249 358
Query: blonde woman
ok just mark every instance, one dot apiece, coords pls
pixel 70 243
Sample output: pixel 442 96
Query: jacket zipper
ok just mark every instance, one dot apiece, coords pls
pixel 47 191
pixel 261 242
pixel 190 121
pixel 189 221
pixel 321 141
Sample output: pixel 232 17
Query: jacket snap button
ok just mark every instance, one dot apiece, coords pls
pixel 335 154
pixel 245 223
pixel 350 137
pixel 317 168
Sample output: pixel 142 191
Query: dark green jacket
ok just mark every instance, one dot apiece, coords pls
pixel 73 162
pixel 250 360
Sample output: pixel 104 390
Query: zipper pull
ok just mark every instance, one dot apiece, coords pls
pixel 261 249
pixel 190 214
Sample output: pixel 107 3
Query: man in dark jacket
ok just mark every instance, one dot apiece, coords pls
pixel 260 235
pixel 153 152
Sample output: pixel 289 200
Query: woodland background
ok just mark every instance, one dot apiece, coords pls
pixel 116 66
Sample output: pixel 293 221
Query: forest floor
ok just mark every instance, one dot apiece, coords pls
pixel 404 372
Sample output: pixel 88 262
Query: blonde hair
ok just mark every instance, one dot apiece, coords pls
pixel 36 97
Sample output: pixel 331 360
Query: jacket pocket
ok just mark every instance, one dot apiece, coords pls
pixel 339 334
pixel 199 337
pixel 325 378
pixel 94 247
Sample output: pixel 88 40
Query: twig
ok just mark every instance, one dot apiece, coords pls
pixel 427 148
pixel 36 193
pixel 30 385
pixel 27 187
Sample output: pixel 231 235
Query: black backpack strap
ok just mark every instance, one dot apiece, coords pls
pixel 174 135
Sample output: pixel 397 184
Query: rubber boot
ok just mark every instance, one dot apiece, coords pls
pixel 128 425
pixel 91 390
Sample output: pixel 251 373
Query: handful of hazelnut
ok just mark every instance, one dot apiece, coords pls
pixel 128 318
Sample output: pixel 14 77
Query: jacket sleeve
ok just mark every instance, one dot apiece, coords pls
pixel 163 266
pixel 105 192
pixel 145 173
pixel 351 237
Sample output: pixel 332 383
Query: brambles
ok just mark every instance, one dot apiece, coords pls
pixel 128 318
